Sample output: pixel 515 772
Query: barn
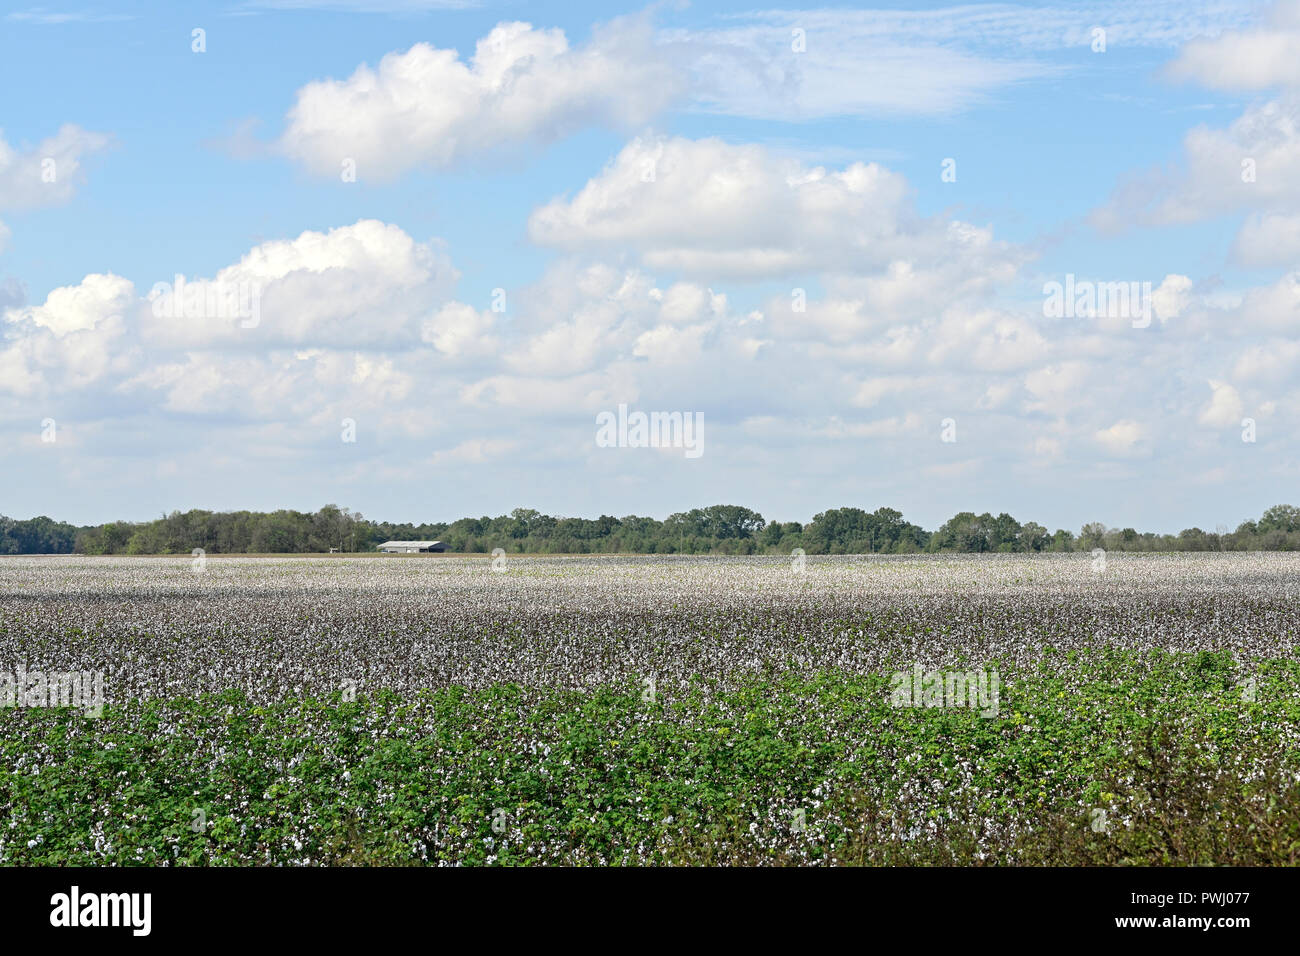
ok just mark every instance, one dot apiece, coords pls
pixel 412 547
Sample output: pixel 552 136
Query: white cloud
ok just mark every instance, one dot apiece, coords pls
pixel 376 336
pixel 474 451
pixel 83 306
pixel 1242 61
pixel 755 72
pixel 1274 362
pixel 676 289
pixel 1171 297
pixel 1268 239
pixel 1122 437
pixel 71 341
pixel 671 345
pixel 363 285
pixel 1248 165
pixel 997 395
pixel 16 375
pixel 459 330
pixel 707 207
pixel 685 302
pixel 874 390
pixel 1047 449
pixel 1267 56
pixel 1270 308
pixel 894 61
pixel 988 340
pixel 48 173
pixel 427 107
pixel 1058 388
pixel 1225 407
pixel 568 347
pixel 580 394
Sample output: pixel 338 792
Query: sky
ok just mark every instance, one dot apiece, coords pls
pixel 404 256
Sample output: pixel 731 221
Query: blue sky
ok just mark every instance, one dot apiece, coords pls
pixel 776 169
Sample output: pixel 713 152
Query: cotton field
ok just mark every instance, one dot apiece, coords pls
pixel 277 628
pixel 476 709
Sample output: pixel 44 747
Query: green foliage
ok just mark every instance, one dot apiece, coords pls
pixel 717 529
pixel 1186 769
pixel 854 531
pixel 40 535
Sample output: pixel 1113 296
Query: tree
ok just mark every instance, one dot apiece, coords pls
pixel 1063 540
pixel 719 529
pixel 1091 535
pixel 1033 537
pixel 1003 533
pixel 1280 518
pixel 964 531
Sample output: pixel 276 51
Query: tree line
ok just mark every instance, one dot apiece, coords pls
pixel 717 529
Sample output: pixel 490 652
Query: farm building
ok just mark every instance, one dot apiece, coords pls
pixel 411 547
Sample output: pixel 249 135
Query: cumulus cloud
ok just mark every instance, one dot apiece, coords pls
pixel 46 174
pixel 363 285
pixel 707 207
pixel 1275 362
pixel 1268 239
pixel 1225 406
pixel 310 311
pixel 1259 58
pixel 362 322
pixel 49 172
pixel 671 345
pixel 458 330
pixel 873 390
pixel 1058 388
pixel 73 338
pixel 76 308
pixel 474 451
pixel 313 387
pixel 16 375
pixel 1245 167
pixel 1270 308
pixel 1172 296
pixel 428 107
pixel 352 319
pixel 1248 165
pixel 616 316
pixel 799 306
pixel 1121 438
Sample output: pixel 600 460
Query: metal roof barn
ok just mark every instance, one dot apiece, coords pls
pixel 411 547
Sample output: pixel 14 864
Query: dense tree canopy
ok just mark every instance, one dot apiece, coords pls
pixel 716 529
